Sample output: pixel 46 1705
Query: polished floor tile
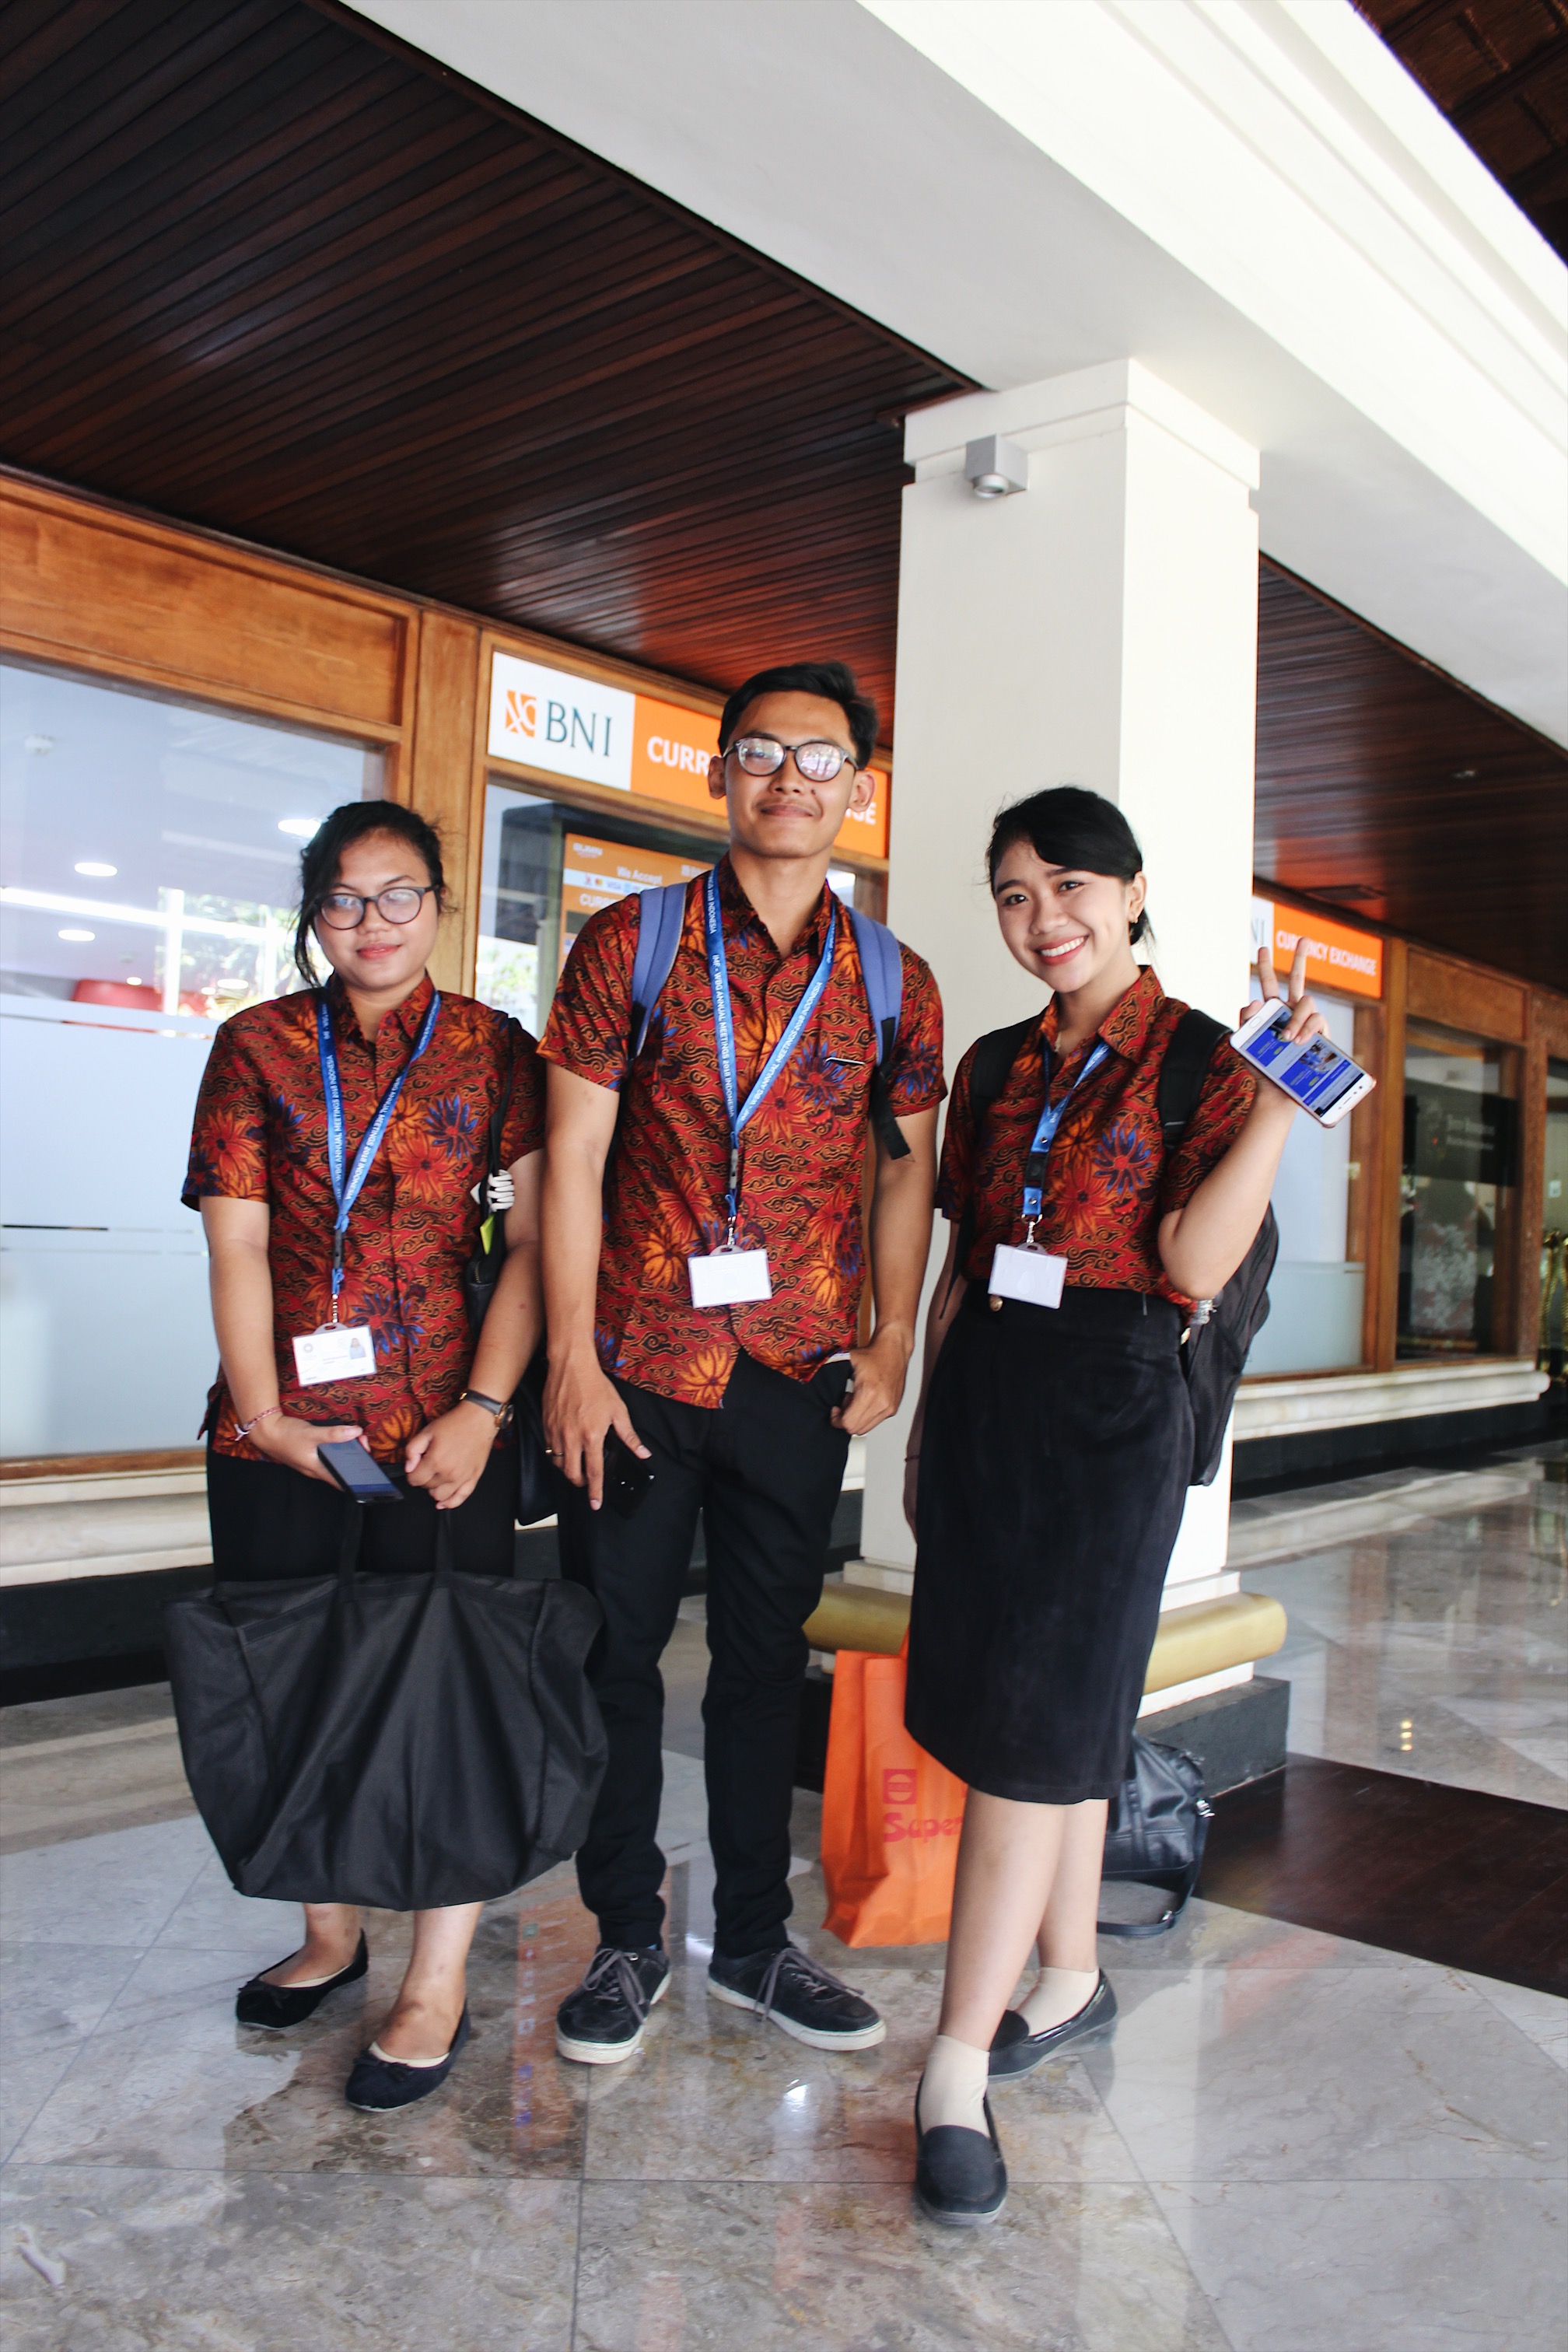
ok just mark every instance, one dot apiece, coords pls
pixel 209 2262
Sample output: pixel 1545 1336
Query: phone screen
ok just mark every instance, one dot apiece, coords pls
pixel 1314 1073
pixel 358 1473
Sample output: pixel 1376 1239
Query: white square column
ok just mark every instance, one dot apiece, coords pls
pixel 1098 627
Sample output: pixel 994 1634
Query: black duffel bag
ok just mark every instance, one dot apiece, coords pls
pixel 400 1741
pixel 1155 1831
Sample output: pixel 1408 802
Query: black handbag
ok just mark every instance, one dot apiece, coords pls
pixel 537 1495
pixel 1155 1831
pixel 402 1741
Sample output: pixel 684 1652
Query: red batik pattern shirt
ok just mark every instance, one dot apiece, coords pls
pixel 260 1134
pixel 1108 1181
pixel 803 1152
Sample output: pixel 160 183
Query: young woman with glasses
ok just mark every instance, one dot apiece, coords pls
pixel 1052 1446
pixel 340 1312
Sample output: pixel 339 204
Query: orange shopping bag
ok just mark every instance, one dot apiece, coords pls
pixel 890 1813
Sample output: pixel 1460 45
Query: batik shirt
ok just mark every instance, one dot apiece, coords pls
pixel 1108 1180
pixel 803 1152
pixel 260 1134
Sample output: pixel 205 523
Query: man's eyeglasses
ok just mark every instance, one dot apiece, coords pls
pixel 764 755
pixel 342 911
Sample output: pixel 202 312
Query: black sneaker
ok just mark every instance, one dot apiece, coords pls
pixel 1015 2050
pixel 604 2019
pixel 799 1994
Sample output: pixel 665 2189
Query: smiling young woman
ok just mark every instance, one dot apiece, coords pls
pixel 1052 1446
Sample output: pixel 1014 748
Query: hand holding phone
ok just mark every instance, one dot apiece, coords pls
pixel 352 1466
pixel 1321 1080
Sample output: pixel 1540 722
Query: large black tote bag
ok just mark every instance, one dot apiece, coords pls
pixel 402 1741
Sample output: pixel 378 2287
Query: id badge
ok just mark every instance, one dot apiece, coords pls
pixel 733 1277
pixel 1032 1274
pixel 339 1351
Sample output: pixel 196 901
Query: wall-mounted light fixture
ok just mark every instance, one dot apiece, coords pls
pixel 995 468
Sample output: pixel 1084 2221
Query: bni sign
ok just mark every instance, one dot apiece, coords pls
pixel 566 725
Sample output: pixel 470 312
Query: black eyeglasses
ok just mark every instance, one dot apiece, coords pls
pixel 764 755
pixel 343 912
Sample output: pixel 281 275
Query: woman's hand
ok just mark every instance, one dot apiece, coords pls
pixel 293 1443
pixel 448 1456
pixel 1305 1020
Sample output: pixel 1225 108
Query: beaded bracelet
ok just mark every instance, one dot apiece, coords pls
pixel 244 1429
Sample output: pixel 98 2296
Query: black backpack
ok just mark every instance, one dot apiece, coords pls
pixel 1214 1343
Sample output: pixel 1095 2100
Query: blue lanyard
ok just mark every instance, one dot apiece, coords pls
pixel 737 1112
pixel 346 1193
pixel 1045 1135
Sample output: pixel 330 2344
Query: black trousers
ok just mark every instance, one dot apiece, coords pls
pixel 765 1471
pixel 270 1524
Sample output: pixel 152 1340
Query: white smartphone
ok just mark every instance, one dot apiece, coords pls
pixel 1323 1082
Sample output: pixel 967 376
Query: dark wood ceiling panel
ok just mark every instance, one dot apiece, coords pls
pixel 268 272
pixel 1376 773
pixel 1499 69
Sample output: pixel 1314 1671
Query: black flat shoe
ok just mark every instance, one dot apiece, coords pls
pixel 379 2084
pixel 960 2178
pixel 277 2007
pixel 1015 2050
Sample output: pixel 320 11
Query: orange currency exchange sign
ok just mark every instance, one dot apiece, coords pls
pixel 1337 957
pixel 670 750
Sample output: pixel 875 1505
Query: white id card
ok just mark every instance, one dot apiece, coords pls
pixel 339 1351
pixel 730 1278
pixel 1032 1274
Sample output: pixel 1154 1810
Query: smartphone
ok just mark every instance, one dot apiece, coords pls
pixel 357 1471
pixel 628 1476
pixel 1324 1082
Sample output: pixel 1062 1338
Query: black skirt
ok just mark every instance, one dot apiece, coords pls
pixel 1054 1468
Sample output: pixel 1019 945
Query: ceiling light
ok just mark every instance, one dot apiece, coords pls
pixel 1464 775
pixel 995 468
pixel 77 935
pixel 134 979
pixel 96 867
pixel 303 827
pixel 40 743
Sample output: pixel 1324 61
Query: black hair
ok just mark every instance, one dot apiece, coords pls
pixel 1070 826
pixel 322 855
pixel 830 681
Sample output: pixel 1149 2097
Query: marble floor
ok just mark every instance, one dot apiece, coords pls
pixel 1428 1620
pixel 1295 2144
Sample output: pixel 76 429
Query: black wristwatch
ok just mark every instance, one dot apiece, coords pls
pixel 487 1404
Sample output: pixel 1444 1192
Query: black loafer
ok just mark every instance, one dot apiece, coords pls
pixel 960 2178
pixel 277 2007
pixel 1015 2050
pixel 379 2084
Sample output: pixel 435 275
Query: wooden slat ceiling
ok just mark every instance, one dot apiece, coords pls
pixel 1388 789
pixel 1499 69
pixel 268 271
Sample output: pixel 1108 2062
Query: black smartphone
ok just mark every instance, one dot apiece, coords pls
pixel 357 1471
pixel 628 1476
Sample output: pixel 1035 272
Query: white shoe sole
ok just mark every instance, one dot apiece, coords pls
pixel 865 2037
pixel 610 2053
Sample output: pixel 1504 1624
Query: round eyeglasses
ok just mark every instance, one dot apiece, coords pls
pixel 764 755
pixel 343 912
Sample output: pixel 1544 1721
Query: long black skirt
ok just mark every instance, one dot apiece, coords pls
pixel 1054 1469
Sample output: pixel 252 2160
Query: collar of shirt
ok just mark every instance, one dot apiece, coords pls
pixel 404 1018
pixel 739 914
pixel 1125 1028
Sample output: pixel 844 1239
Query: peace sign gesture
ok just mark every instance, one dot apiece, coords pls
pixel 1305 1020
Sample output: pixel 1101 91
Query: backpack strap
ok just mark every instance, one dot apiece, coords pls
pixel 661 918
pixel 988 1074
pixel 883 969
pixel 1182 1071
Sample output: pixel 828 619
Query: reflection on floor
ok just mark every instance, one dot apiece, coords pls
pixel 1428 1620
pixel 1297 2143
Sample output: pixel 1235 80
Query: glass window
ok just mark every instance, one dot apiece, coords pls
pixel 1461 1132
pixel 548 867
pixel 149 853
pixel 1318 1290
pixel 1555 1225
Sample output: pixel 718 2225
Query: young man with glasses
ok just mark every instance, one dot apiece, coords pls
pixel 704 1265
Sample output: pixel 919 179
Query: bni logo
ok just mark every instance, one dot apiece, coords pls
pixel 567 725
